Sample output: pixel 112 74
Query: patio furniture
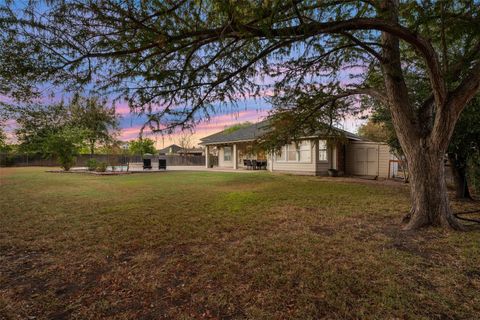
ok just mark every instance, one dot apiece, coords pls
pixel 247 163
pixel 262 164
pixel 162 164
pixel 147 161
pixel 147 164
pixel 254 164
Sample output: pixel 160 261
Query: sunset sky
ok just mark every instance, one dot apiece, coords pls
pixel 249 110
pixel 252 110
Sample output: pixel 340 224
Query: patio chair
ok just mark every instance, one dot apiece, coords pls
pixel 247 163
pixel 254 164
pixel 147 164
pixel 263 164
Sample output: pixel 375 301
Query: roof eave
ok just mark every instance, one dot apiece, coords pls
pixel 203 143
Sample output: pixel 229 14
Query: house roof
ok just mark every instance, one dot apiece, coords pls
pixel 249 133
pixel 252 133
pixel 173 148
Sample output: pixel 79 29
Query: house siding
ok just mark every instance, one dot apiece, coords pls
pixel 384 157
pixel 353 158
pixel 356 151
pixel 314 167
pixel 221 162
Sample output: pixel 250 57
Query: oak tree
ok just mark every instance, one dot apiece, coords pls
pixel 99 121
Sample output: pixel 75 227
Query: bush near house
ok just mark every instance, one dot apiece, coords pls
pixel 102 167
pixel 92 164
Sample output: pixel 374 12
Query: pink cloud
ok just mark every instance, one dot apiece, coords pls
pixel 215 124
pixel 122 109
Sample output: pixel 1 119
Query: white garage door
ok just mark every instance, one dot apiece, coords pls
pixel 365 160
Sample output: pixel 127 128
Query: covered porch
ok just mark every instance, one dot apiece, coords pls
pixel 244 155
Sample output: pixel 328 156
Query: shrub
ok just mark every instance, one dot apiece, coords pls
pixel 65 145
pixel 92 164
pixel 102 167
pixel 66 161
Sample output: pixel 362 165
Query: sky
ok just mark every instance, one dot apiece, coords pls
pixel 251 110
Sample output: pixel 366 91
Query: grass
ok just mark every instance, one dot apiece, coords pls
pixel 187 245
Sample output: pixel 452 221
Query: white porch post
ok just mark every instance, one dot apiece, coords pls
pixel 334 157
pixel 235 162
pixel 206 156
pixel 272 157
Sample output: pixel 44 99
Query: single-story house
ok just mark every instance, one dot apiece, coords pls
pixel 312 155
pixel 171 149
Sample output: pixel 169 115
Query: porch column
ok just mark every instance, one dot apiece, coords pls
pixel 206 156
pixel 270 163
pixel 235 162
pixel 334 157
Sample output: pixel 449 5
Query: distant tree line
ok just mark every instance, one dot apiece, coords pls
pixel 63 130
pixel 83 125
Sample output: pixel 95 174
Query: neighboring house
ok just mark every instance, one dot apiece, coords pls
pixel 171 149
pixel 312 155
pixel 177 150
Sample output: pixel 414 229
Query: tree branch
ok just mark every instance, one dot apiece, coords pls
pixel 447 116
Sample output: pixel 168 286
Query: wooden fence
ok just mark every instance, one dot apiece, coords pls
pixel 27 160
pixel 189 160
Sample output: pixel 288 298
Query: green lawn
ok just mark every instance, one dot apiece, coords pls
pixel 188 245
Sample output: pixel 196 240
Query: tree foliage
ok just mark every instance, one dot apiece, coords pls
pixel 174 61
pixel 64 144
pixel 464 145
pixel 237 126
pixel 36 123
pixel 99 121
pixel 465 141
pixel 374 131
pixel 3 139
pixel 142 146
pixel 464 148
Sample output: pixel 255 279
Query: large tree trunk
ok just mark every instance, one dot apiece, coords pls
pixel 424 135
pixel 430 205
pixel 460 176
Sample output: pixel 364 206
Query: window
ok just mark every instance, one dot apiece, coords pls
pixel 227 153
pixel 295 152
pixel 292 152
pixel 304 151
pixel 322 150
